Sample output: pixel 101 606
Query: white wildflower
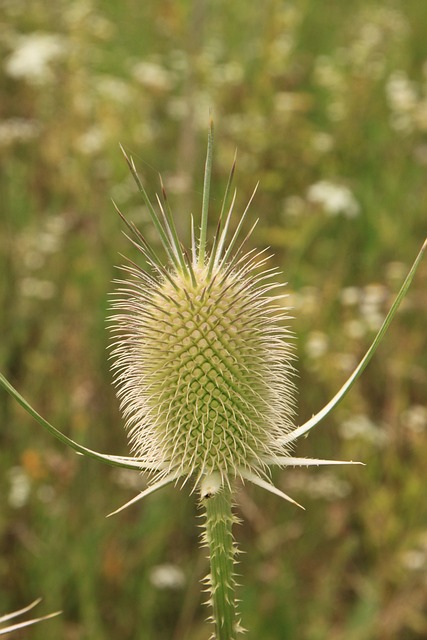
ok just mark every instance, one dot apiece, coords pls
pixel 33 56
pixel 333 198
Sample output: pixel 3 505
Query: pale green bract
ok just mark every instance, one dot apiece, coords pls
pixel 26 623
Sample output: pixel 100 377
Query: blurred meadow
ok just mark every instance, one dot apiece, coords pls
pixel 326 103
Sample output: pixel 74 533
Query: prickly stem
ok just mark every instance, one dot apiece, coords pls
pixel 218 537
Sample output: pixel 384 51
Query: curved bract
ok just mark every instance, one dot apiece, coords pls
pixel 25 623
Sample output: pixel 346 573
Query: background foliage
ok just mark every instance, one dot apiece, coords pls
pixel 327 105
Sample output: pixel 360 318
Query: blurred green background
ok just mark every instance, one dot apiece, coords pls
pixel 326 103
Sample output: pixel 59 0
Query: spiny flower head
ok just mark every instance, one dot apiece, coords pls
pixel 203 371
pixel 202 358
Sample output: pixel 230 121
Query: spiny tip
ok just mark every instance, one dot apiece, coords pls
pixel 122 149
pixel 162 186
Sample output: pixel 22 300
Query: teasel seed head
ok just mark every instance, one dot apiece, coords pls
pixel 202 354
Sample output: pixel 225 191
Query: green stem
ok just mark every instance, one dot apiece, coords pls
pixel 219 539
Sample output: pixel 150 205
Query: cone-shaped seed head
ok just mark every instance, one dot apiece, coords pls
pixel 202 357
pixel 203 371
